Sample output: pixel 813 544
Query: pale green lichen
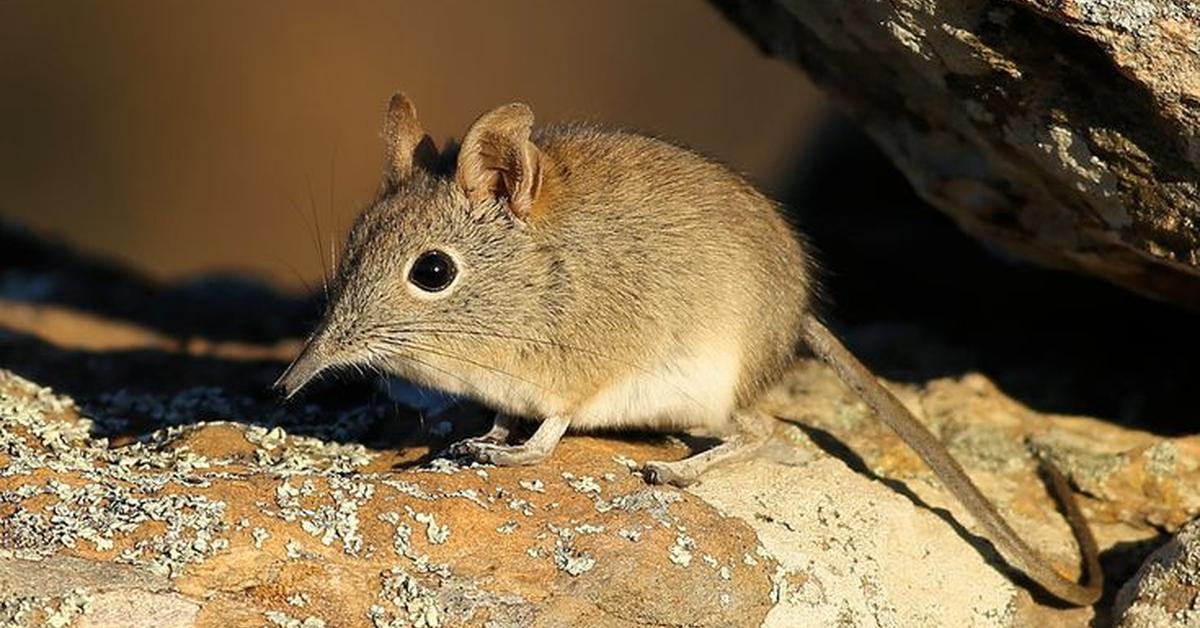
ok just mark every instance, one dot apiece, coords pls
pixel 629 463
pixel 283 620
pixel 1139 17
pixel 1087 469
pixel 1158 594
pixel 52 612
pixel 584 484
pixel 680 552
pixel 653 501
pixel 985 447
pixel 405 602
pixel 632 535
pixel 295 551
pixel 536 486
pixel 1162 458
pixel 437 534
pixel 336 521
pixel 588 528
pixel 259 535
pixel 572 561
pixel 567 557
pixel 122 489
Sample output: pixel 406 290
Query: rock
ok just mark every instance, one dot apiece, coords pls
pixel 1166 589
pixel 241 521
pixel 1065 132
pixel 847 547
pixel 62 588
pixel 153 478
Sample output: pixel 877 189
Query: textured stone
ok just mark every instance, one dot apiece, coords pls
pixel 1166 589
pixel 1068 132
pixel 237 521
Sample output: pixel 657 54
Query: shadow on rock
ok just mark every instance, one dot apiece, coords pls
pixel 130 394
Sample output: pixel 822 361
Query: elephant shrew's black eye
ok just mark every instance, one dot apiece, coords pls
pixel 433 271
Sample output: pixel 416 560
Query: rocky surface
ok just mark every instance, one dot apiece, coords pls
pixel 219 523
pixel 1166 590
pixel 1067 132
pixel 148 476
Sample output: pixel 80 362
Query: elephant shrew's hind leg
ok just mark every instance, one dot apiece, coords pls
pixel 754 429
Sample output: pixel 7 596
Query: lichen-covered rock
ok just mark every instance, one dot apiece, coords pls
pixel 1066 131
pixel 263 525
pixel 1166 590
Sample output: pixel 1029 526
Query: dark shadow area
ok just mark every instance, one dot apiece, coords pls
pixel 1120 562
pixel 130 394
pixel 472 419
pixel 917 299
pixel 215 307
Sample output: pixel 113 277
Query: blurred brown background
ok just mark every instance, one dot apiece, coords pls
pixel 185 137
